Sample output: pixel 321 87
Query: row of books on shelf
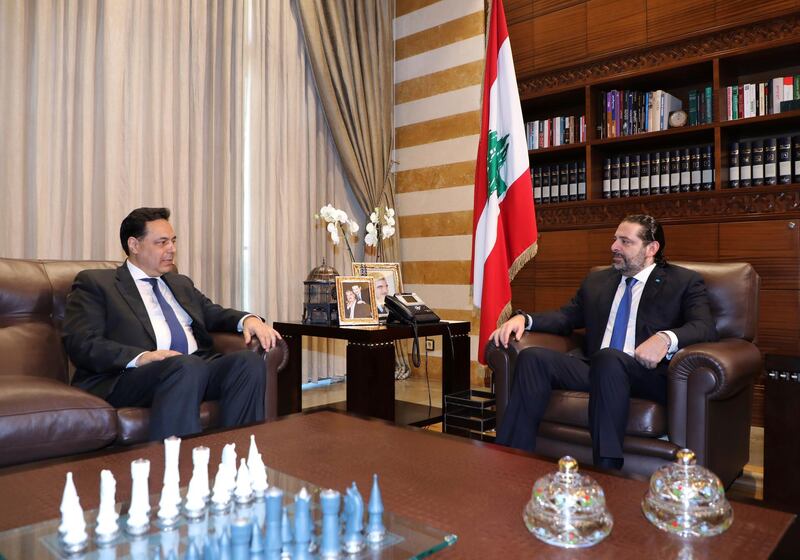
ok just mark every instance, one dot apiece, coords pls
pixel 558 131
pixel 683 170
pixel 772 161
pixel 625 112
pixel 762 98
pixel 559 183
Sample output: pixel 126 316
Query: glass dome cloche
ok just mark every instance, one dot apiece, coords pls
pixel 319 294
pixel 568 509
pixel 687 499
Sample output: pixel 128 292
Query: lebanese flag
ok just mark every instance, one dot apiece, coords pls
pixel 504 222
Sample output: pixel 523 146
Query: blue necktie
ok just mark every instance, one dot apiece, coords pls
pixel 179 342
pixel 623 315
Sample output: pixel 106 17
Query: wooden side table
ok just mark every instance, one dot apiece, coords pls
pixel 370 363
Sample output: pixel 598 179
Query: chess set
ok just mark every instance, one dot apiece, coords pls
pixel 242 516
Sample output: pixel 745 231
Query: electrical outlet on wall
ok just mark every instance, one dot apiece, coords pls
pixel 430 344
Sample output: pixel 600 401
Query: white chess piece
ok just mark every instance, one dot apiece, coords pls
pixel 107 516
pixel 69 497
pixel 258 476
pixel 195 504
pixel 75 537
pixel 244 490
pixel 170 501
pixel 139 511
pixel 221 498
pixel 229 460
pixel 200 460
pixel 252 452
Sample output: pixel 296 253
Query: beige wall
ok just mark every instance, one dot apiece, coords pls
pixel 439 53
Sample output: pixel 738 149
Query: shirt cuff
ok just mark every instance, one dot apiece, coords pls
pixel 240 324
pixel 528 322
pixel 132 363
pixel 673 343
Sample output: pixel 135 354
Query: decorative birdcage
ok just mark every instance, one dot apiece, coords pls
pixel 320 307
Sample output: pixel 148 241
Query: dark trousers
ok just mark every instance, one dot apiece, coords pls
pixel 174 388
pixel 611 378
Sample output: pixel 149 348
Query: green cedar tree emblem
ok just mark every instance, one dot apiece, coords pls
pixel 495 159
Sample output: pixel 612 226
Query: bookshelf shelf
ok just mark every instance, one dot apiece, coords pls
pixel 576 149
pixel 791 117
pixel 693 134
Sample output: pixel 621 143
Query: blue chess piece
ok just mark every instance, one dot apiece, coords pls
pixel 273 539
pixel 256 541
pixel 375 528
pixel 302 519
pixel 287 539
pixel 225 546
pixel 211 548
pixel 354 520
pixel 191 553
pixel 241 531
pixel 329 504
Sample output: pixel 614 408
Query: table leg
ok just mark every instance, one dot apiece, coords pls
pixel 455 364
pixel 370 379
pixel 289 381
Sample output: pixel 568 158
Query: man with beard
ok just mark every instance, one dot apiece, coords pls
pixel 637 314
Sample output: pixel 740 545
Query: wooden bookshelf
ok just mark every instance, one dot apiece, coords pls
pixel 759 224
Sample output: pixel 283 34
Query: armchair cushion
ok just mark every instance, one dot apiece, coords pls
pixel 645 419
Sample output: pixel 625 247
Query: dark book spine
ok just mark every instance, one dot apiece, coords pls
pixel 796 158
pixel 686 170
pixel 664 169
pixel 733 165
pixel 537 184
pixel 675 171
pixel 644 174
pixel 582 181
pixel 634 174
pixel 573 181
pixel 563 182
pixel 607 178
pixel 625 177
pixel 785 160
pixel 757 150
pixel 709 105
pixel 696 174
pixel 745 177
pixel 770 161
pixel 707 169
pixel 655 173
pixel 545 185
pixel 615 165
pixel 693 107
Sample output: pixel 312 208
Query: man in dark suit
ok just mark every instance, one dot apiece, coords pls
pixel 139 336
pixel 637 314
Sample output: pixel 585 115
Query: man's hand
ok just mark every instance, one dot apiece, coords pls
pixel 255 327
pixel 650 352
pixel 515 326
pixel 155 356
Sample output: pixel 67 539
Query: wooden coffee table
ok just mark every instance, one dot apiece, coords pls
pixel 473 489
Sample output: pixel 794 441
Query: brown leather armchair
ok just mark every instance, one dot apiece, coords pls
pixel 710 389
pixel 41 415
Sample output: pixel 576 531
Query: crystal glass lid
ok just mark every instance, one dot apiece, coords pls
pixel 568 509
pixel 687 499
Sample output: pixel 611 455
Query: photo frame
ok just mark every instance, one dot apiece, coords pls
pixel 389 272
pixel 356 300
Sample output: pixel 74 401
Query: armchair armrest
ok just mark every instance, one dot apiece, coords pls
pixel 710 371
pixel 503 360
pixel 275 361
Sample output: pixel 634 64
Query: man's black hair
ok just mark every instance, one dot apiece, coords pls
pixel 135 224
pixel 651 231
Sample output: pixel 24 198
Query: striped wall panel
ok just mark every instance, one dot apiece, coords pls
pixel 439 57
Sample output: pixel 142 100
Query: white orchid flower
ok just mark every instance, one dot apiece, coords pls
pixel 390 212
pixel 374 217
pixel 353 226
pixel 335 237
pixel 371 239
pixel 387 232
pixel 371 228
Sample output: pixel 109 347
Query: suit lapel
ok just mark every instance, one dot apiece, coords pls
pixel 608 290
pixel 130 293
pixel 650 294
pixel 178 290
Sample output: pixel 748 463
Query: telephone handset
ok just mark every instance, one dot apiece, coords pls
pixel 409 308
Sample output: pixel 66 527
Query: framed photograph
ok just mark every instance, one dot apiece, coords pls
pixel 387 280
pixel 356 298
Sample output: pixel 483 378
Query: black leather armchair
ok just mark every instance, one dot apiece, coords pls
pixel 710 389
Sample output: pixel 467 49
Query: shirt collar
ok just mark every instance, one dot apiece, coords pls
pixel 643 275
pixel 136 272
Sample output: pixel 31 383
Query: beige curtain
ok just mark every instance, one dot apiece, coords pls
pixel 108 106
pixel 293 171
pixel 205 107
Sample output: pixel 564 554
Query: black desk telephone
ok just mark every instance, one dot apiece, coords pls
pixel 409 308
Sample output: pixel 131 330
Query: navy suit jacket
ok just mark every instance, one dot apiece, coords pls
pixel 106 324
pixel 674 299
